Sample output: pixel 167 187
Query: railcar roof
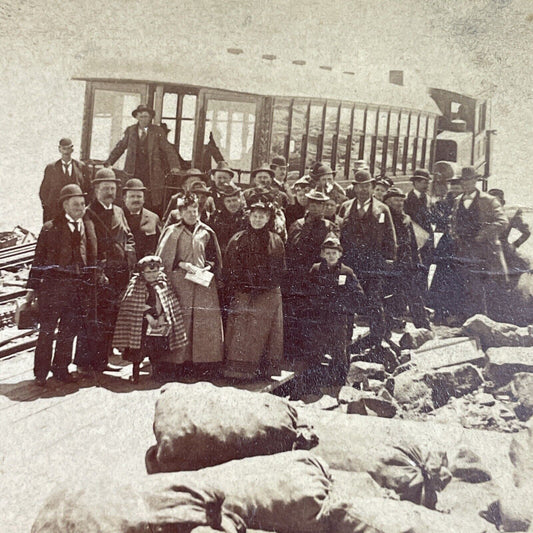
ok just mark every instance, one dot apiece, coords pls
pixel 243 73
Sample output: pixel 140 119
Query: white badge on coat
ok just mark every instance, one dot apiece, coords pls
pixel 381 219
pixel 342 279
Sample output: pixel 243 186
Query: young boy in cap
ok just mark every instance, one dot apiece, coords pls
pixel 150 322
pixel 335 295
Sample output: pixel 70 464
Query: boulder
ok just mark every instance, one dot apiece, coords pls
pixel 415 337
pixel 440 353
pixel 495 334
pixel 522 389
pixel 467 466
pixel 366 403
pixel 484 398
pixel 504 363
pixel 361 372
pixel 410 387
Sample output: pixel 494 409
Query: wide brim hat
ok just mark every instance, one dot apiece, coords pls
pixel 394 192
pixel 278 161
pixel 70 191
pixel 320 170
pixel 194 172
pixel 198 187
pixel 363 176
pixel 316 196
pixel 222 166
pixel 134 184
pixel 141 109
pixel 105 174
pixel 469 173
pixel 420 174
pixel 304 181
pixel 229 190
pixel 262 168
pixel 332 242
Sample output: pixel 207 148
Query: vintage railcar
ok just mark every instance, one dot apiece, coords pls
pixel 251 109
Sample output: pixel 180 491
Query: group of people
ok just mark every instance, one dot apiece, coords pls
pixel 238 280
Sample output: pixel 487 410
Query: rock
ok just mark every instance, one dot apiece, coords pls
pixel 410 387
pixel 441 353
pixel 522 389
pixel 504 363
pixel 349 394
pixel 515 510
pixel 494 334
pixel 484 398
pixel 374 385
pixel 505 414
pixel 379 407
pixel 415 337
pixel 467 466
pixel 366 403
pixel 361 372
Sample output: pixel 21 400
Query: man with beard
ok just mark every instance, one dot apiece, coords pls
pixel 404 288
pixel 221 177
pixel 369 242
pixel 116 255
pixel 144 225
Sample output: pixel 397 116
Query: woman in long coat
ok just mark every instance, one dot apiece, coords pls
pixel 186 248
pixel 254 265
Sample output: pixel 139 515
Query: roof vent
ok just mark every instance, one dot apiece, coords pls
pixel 269 57
pixel 298 62
pixel 396 77
pixel 326 67
pixel 235 51
pixel 349 72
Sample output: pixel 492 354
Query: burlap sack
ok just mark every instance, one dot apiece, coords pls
pixel 203 425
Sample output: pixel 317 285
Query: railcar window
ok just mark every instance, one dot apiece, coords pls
pixel 392 148
pixel 341 164
pixel 111 116
pixel 315 131
pixel 280 127
pixel 179 111
pixel 298 130
pixel 330 133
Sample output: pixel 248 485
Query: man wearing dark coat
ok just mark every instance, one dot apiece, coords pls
pixel 476 225
pixel 418 206
pixel 58 174
pixel 62 271
pixel 404 287
pixel 306 236
pixel 144 225
pixel 369 242
pixel 117 258
pixel 145 145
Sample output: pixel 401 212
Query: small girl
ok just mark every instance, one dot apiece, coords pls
pixel 150 322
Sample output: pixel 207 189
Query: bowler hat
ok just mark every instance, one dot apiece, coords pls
pixel 420 174
pixel 496 192
pixel 303 182
pixel 198 187
pixel 394 192
pixel 141 108
pixel 316 196
pixel 261 203
pixel 134 184
pixel 194 172
pixel 469 173
pixel 222 166
pixel 331 242
pixel 385 182
pixel 321 169
pixel 105 174
pixel 262 168
pixel 65 142
pixel 363 176
pixel 278 161
pixel 229 190
pixel 69 191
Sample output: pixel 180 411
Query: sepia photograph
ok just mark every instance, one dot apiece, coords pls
pixel 266 266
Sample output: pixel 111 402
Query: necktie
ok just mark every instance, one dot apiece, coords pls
pixel 424 199
pixel 361 210
pixel 66 170
pixel 143 134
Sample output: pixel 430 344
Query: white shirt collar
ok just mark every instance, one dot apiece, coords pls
pixel 365 204
pixel 105 207
pixel 418 194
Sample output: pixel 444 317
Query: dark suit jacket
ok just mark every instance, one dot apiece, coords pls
pixel 54 180
pixel 147 235
pixel 157 147
pixel 116 247
pixel 422 215
pixel 378 243
pixel 53 252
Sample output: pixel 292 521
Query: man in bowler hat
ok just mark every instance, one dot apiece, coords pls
pixel 145 145
pixel 369 242
pixel 62 270
pixel 58 174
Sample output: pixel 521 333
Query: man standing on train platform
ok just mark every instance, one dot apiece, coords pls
pixel 262 180
pixel 58 174
pixel 419 207
pixel 304 242
pixel 279 166
pixel 116 256
pixel 369 242
pixel 477 222
pixel 63 268
pixel 221 177
pixel 299 207
pixel 145 145
pixel 359 164
pixel 144 225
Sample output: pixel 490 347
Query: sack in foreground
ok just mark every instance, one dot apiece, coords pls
pixel 203 425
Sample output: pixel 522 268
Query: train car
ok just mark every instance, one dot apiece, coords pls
pixel 248 110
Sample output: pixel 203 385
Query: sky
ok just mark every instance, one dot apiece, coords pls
pixel 469 46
